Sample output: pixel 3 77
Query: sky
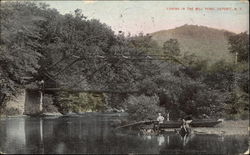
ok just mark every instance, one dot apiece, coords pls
pixel 151 16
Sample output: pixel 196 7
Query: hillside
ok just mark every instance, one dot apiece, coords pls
pixel 203 41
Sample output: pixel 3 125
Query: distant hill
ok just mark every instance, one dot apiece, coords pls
pixel 203 41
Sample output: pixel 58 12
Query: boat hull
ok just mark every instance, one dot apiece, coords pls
pixel 194 123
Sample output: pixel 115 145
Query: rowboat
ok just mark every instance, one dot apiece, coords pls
pixel 174 124
pixel 194 123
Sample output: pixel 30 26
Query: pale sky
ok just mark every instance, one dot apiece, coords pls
pixel 151 16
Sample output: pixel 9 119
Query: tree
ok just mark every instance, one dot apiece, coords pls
pixel 239 44
pixel 171 47
pixel 143 107
pixel 19 46
pixel 237 104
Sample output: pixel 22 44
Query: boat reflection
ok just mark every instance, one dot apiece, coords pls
pixel 161 140
pixel 186 138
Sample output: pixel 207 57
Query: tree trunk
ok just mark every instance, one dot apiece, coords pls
pixel 2 98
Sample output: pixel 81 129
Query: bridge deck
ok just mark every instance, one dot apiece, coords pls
pixel 83 90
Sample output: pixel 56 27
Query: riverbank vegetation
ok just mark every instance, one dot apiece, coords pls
pixel 79 102
pixel 74 52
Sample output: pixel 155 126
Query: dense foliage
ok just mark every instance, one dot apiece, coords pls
pixel 19 46
pixel 171 47
pixel 143 107
pixel 80 102
pixel 71 51
pixel 240 44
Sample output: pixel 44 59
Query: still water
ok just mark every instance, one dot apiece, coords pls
pixel 92 133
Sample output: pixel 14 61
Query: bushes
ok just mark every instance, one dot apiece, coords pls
pixel 244 115
pixel 143 107
pixel 48 104
pixel 79 102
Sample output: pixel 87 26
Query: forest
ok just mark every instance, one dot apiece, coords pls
pixel 72 51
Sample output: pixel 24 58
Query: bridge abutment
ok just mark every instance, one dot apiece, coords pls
pixel 33 102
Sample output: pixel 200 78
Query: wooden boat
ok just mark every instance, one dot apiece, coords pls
pixel 205 123
pixel 194 123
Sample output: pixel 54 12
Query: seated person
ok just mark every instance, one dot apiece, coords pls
pixel 160 118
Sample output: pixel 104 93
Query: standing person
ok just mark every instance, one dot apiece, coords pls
pixel 167 116
pixel 184 125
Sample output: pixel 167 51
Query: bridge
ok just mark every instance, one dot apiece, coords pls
pixel 34 95
pixel 48 90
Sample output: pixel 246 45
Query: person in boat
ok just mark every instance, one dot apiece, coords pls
pixel 184 125
pixel 160 120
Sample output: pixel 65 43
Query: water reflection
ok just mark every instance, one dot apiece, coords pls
pixel 161 139
pixel 186 138
pixel 208 144
pixel 92 134
pixel 14 135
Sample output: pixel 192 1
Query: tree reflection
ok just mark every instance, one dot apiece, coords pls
pixel 91 134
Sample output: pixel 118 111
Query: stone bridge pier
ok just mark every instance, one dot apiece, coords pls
pixel 33 102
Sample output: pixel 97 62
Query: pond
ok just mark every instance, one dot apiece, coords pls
pixel 92 133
